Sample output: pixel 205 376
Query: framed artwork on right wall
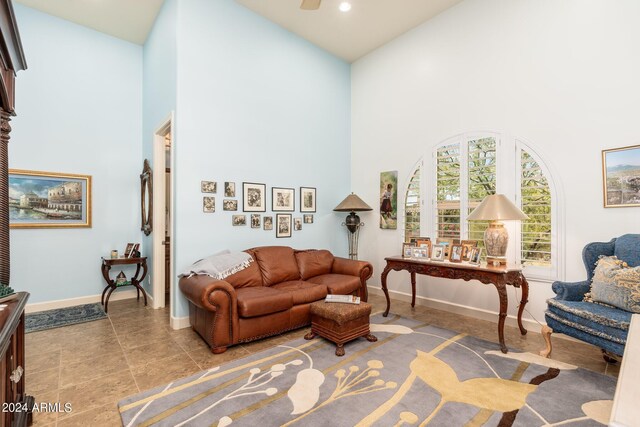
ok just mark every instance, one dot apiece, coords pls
pixel 621 177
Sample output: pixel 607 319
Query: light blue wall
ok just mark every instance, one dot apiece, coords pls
pixel 79 108
pixel 159 92
pixel 259 104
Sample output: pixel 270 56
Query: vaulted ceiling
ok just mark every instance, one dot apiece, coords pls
pixel 349 35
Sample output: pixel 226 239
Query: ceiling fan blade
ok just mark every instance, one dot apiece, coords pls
pixel 310 4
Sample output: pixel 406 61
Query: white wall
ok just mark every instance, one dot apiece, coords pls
pixel 561 75
pixel 79 107
pixel 255 103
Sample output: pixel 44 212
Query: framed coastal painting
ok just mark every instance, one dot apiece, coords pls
pixel 389 200
pixel 49 199
pixel 621 177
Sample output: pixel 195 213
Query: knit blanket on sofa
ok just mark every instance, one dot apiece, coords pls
pixel 220 265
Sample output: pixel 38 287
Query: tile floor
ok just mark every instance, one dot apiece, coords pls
pixel 94 365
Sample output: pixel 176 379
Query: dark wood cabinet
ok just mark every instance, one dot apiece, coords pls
pixel 16 405
pixel 12 367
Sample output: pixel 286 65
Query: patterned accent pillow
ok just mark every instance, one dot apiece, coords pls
pixel 616 285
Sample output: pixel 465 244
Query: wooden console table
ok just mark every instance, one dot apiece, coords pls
pixel 107 263
pixel 500 277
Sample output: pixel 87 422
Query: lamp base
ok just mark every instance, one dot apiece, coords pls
pixel 496 261
pixel 496 240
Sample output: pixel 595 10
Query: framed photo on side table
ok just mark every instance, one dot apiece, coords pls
pixel 455 254
pixel 446 242
pixel 437 252
pixel 283 199
pixel 283 225
pixel 407 250
pixel 475 255
pixel 307 199
pixel 254 197
pixel 420 253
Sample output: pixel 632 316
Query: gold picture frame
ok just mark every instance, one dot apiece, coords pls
pixel 620 175
pixel 49 199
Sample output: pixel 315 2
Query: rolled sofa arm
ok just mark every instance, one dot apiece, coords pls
pixel 352 267
pixel 570 291
pixel 212 298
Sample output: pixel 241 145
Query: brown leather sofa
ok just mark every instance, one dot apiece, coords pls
pixel 271 296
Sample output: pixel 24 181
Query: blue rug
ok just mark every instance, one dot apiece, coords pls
pixel 63 317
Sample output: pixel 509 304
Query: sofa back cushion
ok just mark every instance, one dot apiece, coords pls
pixel 249 277
pixel 313 263
pixel 627 249
pixel 277 264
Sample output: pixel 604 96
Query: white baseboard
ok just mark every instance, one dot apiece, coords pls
pixel 179 322
pixel 464 310
pixel 62 303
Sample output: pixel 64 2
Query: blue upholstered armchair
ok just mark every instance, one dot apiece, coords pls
pixel 601 325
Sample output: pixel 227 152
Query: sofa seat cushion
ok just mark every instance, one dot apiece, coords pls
pixel 302 292
pixel 258 301
pixel 337 284
pixel 314 263
pixel 599 320
pixel 277 264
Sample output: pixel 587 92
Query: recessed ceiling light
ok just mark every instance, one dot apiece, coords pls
pixel 345 6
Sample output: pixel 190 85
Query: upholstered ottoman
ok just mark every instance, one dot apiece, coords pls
pixel 340 323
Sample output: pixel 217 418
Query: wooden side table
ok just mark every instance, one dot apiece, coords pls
pixel 107 263
pixel 500 277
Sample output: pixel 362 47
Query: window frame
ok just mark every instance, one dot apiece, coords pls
pixel 508 182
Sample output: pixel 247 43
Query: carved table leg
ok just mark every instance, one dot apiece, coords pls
pixel 546 334
pixel 523 302
pixel 135 281
pixel 383 279
pixel 106 301
pixel 311 335
pixel 504 305
pixel 339 350
pixel 413 289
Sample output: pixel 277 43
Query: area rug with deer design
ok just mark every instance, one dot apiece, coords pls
pixel 415 374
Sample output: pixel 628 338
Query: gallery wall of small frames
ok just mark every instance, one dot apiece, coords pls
pixel 444 249
pixel 253 199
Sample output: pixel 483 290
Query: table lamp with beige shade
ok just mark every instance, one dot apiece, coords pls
pixel 496 208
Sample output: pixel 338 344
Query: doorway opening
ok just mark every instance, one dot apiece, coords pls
pixel 163 196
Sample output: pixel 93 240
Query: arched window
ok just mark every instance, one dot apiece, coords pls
pixel 467 168
pixel 412 206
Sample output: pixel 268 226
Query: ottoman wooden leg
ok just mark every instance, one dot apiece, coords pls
pixel 311 335
pixel 339 350
pixel 371 338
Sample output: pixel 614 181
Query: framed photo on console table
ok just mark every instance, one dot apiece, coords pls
pixel 437 252
pixel 49 199
pixel 283 199
pixel 254 197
